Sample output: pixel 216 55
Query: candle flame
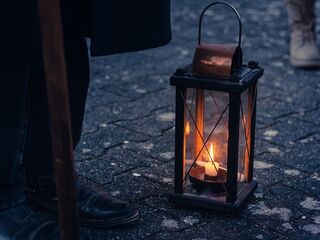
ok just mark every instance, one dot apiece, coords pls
pixel 188 128
pixel 211 152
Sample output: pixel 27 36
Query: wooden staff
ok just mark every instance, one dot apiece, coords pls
pixel 59 113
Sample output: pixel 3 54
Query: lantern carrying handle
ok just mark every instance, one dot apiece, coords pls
pixel 228 5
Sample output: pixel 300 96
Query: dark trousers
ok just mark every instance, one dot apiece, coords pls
pixel 25 143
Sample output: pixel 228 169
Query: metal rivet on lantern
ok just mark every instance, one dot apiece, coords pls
pixel 215 126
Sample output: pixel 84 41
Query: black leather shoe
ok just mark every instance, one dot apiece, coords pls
pixel 21 223
pixel 96 208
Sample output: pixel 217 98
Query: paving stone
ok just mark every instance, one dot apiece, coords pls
pixel 268 173
pixel 162 173
pixel 280 205
pixel 308 227
pixel 290 132
pixel 133 187
pixel 310 185
pixel 304 156
pixel 267 147
pixel 150 223
pixel 114 162
pixel 151 103
pixel 161 147
pixel 152 125
pixel 108 136
pixel 312 116
pixel 220 230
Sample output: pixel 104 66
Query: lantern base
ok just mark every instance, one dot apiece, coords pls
pixel 200 181
pixel 192 200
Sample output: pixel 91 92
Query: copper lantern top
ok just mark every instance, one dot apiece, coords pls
pixel 217 60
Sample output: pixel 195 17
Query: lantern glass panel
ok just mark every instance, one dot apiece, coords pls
pixel 244 135
pixel 206 139
pixel 246 130
pixel 206 142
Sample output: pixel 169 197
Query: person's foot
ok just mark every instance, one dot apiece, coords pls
pixel 20 223
pixel 96 208
pixel 304 52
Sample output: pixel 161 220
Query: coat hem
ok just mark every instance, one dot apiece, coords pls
pixel 103 50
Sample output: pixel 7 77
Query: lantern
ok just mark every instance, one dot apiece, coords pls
pixel 215 127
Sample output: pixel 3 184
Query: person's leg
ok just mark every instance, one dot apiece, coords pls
pixel 38 160
pixel 17 220
pixel 12 128
pixel 38 154
pixel 96 207
pixel 304 51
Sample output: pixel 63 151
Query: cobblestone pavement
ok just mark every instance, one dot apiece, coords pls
pixel 127 146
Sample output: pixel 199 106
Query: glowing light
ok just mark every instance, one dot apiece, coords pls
pixel 187 128
pixel 211 153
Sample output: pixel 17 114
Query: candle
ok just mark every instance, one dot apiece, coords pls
pixel 187 128
pixel 211 167
pixel 201 163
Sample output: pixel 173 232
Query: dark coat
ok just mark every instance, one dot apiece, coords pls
pixel 129 25
pixel 17 38
pixel 114 26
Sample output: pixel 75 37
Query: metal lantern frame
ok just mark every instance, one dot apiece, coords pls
pixel 243 79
